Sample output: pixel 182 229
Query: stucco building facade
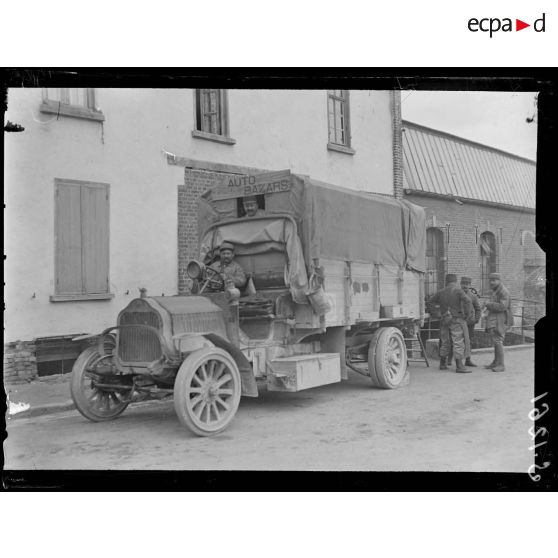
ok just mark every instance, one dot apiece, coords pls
pixel 102 187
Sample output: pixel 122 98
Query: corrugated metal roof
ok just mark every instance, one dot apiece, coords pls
pixel 445 164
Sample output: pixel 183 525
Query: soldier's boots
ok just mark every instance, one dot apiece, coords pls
pixel 460 368
pixel 493 363
pixel 499 366
pixel 443 363
pixel 469 362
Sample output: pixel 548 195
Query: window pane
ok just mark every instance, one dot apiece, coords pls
pixel 339 121
pixel 206 101
pixel 331 127
pixel 52 94
pixel 199 118
pixel 68 96
pixel 206 123
pixel 211 111
pixel 488 259
pixel 77 97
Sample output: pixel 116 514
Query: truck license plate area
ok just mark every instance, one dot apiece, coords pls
pixel 303 371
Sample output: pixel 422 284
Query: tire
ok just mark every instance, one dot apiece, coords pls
pixel 207 391
pixel 387 358
pixel 95 404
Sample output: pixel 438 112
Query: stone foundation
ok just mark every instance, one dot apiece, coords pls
pixel 20 362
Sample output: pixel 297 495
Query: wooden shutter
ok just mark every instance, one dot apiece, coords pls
pixel 68 239
pixel 95 238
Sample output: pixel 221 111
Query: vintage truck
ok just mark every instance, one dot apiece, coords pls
pixel 335 283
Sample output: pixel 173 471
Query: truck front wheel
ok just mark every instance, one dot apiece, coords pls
pixel 387 358
pixel 207 391
pixel 92 401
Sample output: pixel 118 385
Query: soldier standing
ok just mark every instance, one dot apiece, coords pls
pixel 473 317
pixel 498 319
pixel 454 308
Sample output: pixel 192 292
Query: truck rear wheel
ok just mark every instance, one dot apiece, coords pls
pixel 93 402
pixel 387 358
pixel 207 391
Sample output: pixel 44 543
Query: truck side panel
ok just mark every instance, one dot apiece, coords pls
pixel 353 287
pixel 400 292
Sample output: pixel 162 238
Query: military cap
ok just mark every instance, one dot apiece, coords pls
pixel 494 276
pixel 466 280
pixel 226 246
pixel 451 278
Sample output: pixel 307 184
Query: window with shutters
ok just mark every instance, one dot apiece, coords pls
pixel 489 263
pixel 81 241
pixel 338 113
pixel 71 101
pixel 435 261
pixel 211 115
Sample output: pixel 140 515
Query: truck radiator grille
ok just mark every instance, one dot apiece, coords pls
pixel 136 344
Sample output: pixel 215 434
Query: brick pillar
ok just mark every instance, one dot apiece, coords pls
pixel 395 105
pixel 20 362
pixel 196 182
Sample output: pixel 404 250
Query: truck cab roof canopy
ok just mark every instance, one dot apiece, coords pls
pixel 333 222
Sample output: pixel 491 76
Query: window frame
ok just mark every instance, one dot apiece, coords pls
pixel 441 260
pixel 346 100
pixel 493 263
pixel 68 297
pixel 198 132
pixel 53 106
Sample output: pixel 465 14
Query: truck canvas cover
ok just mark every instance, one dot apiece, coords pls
pixel 333 222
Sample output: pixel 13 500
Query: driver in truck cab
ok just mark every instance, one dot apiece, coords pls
pixel 228 268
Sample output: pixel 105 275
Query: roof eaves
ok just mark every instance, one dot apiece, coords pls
pixel 467 141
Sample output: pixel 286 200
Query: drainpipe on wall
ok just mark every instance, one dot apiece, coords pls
pixel 397 143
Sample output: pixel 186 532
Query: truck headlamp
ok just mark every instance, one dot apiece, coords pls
pixel 194 270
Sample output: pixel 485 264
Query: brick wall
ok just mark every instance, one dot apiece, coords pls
pixel 463 252
pixel 20 362
pixel 196 182
pixel 397 144
pixel 531 250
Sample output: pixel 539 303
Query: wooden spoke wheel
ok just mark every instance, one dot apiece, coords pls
pixel 387 358
pixel 207 391
pixel 93 402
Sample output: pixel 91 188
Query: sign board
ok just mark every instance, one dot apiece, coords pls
pixel 252 185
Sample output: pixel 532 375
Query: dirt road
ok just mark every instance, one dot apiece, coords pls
pixel 441 421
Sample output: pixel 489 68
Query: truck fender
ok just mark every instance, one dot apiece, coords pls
pixel 105 341
pixel 247 379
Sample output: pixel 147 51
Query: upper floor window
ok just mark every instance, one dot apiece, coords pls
pixel 339 128
pixel 489 262
pixel 211 114
pixel 71 101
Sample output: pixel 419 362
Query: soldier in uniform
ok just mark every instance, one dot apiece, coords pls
pixel 498 319
pixel 473 317
pixel 454 308
pixel 231 272
pixel 250 205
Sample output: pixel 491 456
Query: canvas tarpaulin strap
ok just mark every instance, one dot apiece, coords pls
pixel 255 236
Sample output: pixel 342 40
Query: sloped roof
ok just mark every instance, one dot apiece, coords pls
pixel 441 163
